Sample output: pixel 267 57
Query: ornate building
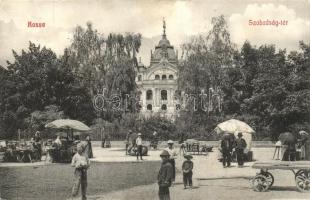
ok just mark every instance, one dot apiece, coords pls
pixel 157 83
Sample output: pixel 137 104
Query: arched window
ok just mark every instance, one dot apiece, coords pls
pixel 163 77
pixel 149 95
pixel 163 95
pixel 157 77
pixel 149 107
pixel 164 107
pixel 170 77
pixel 139 78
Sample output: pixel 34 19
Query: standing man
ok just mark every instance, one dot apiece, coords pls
pixel 240 146
pixel 127 140
pixel 173 155
pixel 165 176
pixel 139 146
pixel 226 146
pixel 81 164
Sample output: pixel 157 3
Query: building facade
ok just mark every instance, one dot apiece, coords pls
pixel 157 83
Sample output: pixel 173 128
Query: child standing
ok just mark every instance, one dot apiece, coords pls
pixel 81 164
pixel 187 169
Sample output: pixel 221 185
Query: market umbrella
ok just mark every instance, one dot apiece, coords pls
pixel 68 124
pixel 287 138
pixel 234 126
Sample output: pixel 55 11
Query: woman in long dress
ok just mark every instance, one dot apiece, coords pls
pixel 88 148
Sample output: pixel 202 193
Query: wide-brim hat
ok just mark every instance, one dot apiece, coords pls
pixel 240 134
pixel 170 142
pixel 188 156
pixel 164 153
pixel 139 134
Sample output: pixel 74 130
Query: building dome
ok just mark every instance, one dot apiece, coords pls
pixel 164 42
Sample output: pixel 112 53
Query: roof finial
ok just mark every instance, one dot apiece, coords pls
pixel 164 27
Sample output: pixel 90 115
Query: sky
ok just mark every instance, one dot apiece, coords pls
pixel 183 18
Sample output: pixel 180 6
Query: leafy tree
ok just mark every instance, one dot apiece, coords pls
pixel 24 86
pixel 106 63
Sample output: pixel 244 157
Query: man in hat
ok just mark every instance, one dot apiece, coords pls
pixel 187 168
pixel 139 146
pixel 81 164
pixel 164 176
pixel 173 155
pixel 226 147
pixel 240 146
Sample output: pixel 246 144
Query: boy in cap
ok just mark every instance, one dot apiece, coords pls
pixel 187 169
pixel 165 176
pixel 173 155
pixel 139 146
pixel 81 164
pixel 240 146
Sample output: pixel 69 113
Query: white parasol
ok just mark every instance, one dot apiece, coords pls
pixel 68 124
pixel 235 126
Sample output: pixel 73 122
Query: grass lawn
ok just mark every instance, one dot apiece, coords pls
pixel 55 181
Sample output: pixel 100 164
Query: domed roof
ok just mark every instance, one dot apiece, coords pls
pixel 164 42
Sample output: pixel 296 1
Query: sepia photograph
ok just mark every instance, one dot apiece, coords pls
pixel 154 99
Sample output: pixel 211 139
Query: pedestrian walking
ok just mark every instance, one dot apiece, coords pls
pixel 81 164
pixel 103 138
pixel 240 146
pixel 187 168
pixel 164 176
pixel 127 140
pixel 226 148
pixel 139 146
pixel 182 149
pixel 173 155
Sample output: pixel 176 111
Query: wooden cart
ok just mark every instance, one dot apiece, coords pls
pixel 264 179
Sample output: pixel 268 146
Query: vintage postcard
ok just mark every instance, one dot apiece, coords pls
pixel 154 99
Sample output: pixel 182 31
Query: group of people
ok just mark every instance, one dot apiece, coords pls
pixel 294 150
pixel 230 143
pixel 134 141
pixel 167 172
pixel 166 175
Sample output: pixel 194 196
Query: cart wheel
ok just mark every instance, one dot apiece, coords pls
pixel 269 177
pixel 260 183
pixel 302 179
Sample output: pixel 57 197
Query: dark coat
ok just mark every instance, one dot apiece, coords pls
pixel 226 146
pixel 165 175
pixel 240 143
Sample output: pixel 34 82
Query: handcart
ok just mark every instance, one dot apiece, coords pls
pixel 264 179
